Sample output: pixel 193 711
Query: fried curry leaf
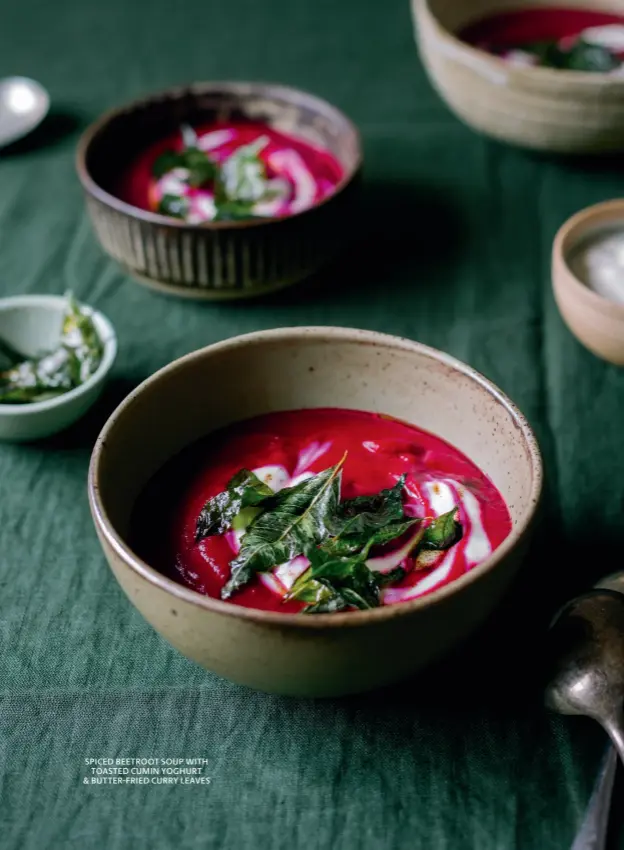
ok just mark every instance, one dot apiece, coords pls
pixel 316 593
pixel 368 513
pixel 443 532
pixel 361 543
pixel 297 523
pixel 244 490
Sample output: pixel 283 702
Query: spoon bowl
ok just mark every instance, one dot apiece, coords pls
pixel 586 652
pixel 615 581
pixel 24 103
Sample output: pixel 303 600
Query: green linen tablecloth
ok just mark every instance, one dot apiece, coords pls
pixel 463 758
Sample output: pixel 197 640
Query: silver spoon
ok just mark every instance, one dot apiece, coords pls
pixel 587 677
pixel 595 827
pixel 613 582
pixel 24 104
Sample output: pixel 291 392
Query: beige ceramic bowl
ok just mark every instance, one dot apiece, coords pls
pixel 596 321
pixel 328 654
pixel 540 108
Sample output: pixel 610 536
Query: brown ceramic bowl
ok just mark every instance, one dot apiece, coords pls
pixel 539 108
pixel 597 322
pixel 325 654
pixel 217 260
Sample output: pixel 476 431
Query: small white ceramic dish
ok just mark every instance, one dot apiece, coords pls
pixel 32 324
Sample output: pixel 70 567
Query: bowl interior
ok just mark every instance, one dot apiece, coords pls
pixel 454 15
pixel 118 139
pixel 32 329
pixel 292 369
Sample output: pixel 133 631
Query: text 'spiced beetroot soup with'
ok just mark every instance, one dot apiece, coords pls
pixel 228 172
pixel 318 511
pixel 553 37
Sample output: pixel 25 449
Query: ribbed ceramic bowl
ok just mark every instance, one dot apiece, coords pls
pixel 597 322
pixel 217 260
pixel 326 654
pixel 539 108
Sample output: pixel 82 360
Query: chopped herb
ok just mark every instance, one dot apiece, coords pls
pixel 336 537
pixel 242 177
pixel 77 357
pixel 174 206
pixel 239 182
pixel 582 56
pixel 165 163
pixel 232 210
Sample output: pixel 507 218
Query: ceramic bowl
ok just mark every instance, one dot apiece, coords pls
pixel 217 260
pixel 597 322
pixel 327 654
pixel 539 108
pixel 31 324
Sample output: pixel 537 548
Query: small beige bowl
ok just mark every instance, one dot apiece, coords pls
pixel 596 321
pixel 539 108
pixel 326 654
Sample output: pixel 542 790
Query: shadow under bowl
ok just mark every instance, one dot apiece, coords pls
pixel 327 654
pixel 217 260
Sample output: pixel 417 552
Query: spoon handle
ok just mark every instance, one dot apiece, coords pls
pixel 593 832
pixel 615 728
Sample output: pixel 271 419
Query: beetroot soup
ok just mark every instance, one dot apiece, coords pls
pixel 230 171
pixel 555 37
pixel 317 511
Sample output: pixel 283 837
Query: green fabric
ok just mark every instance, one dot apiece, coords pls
pixel 455 254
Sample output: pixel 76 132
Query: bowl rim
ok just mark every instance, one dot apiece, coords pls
pixel 568 235
pixel 105 331
pixel 320 621
pixel 233 87
pixel 589 79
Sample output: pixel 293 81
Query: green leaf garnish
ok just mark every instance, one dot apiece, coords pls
pixel 239 182
pixel 242 177
pixel 582 56
pixel 298 522
pixel 337 537
pixel 245 490
pixel 173 206
pixel 165 163
pixel 232 210
pixel 443 532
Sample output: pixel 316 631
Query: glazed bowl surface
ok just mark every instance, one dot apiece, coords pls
pixel 560 111
pixel 225 259
pixel 326 654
